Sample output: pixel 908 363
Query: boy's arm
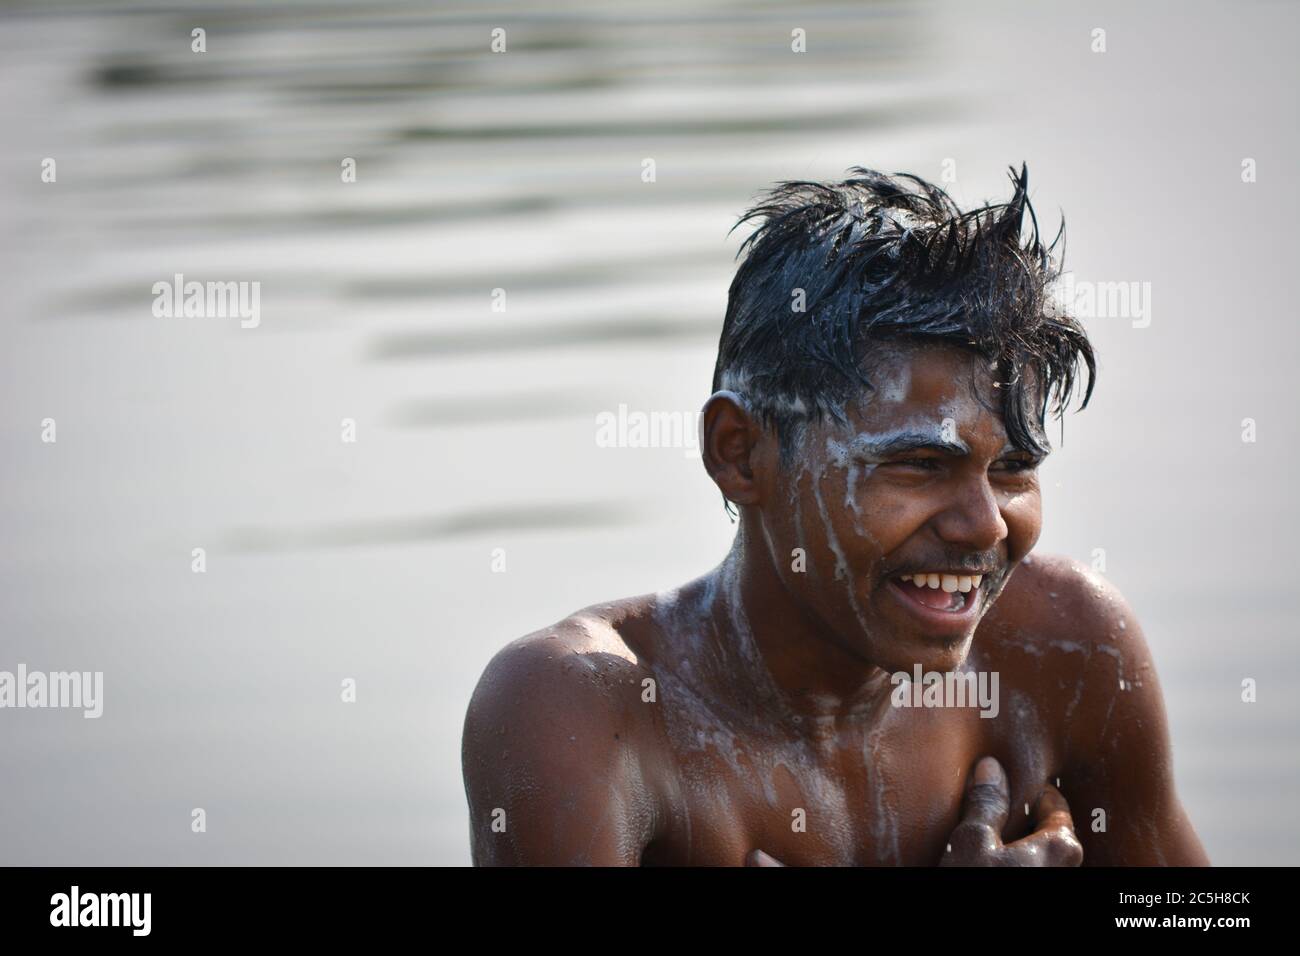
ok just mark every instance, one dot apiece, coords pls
pixel 1119 773
pixel 552 770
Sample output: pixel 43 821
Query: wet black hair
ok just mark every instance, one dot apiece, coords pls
pixel 879 258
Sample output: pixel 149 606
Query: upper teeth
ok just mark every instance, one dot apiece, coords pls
pixel 949 582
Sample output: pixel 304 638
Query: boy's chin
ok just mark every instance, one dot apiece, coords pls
pixel 931 656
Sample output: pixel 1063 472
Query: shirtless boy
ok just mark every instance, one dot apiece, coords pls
pixel 886 367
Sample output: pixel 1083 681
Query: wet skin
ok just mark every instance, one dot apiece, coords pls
pixel 748 717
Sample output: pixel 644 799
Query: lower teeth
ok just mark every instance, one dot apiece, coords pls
pixel 957 600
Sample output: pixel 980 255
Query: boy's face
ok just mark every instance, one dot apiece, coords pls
pixel 922 480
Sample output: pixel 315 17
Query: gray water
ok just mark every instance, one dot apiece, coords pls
pixel 522 171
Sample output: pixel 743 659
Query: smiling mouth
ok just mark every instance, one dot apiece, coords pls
pixel 940 591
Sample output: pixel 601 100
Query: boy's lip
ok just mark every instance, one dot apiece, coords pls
pixel 933 620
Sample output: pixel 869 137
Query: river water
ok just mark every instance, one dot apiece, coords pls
pixel 523 171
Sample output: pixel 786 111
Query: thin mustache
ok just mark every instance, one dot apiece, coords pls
pixel 967 565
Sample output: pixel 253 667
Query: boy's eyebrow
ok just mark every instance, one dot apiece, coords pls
pixel 911 441
pixel 900 443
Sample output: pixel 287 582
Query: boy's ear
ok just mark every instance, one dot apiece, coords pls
pixel 729 437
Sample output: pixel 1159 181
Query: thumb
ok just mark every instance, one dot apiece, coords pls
pixel 759 858
pixel 988 796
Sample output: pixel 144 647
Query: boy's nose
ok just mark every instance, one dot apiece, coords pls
pixel 972 518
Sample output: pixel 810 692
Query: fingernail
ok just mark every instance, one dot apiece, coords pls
pixel 986 771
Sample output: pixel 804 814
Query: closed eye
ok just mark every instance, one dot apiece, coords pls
pixel 927 463
pixel 1016 465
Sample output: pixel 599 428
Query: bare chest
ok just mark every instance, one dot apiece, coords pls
pixel 884 793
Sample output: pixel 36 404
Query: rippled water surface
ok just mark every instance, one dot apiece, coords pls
pixel 522 172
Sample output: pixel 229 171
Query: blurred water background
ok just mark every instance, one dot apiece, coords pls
pixel 475 429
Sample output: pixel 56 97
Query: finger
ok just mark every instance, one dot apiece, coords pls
pixel 1053 842
pixel 1053 819
pixel 1029 851
pixel 1063 849
pixel 1051 811
pixel 1058 847
pixel 759 858
pixel 988 796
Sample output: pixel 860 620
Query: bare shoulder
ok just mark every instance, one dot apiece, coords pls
pixel 557 751
pixel 577 671
pixel 1054 605
pixel 1073 637
pixel 571 651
